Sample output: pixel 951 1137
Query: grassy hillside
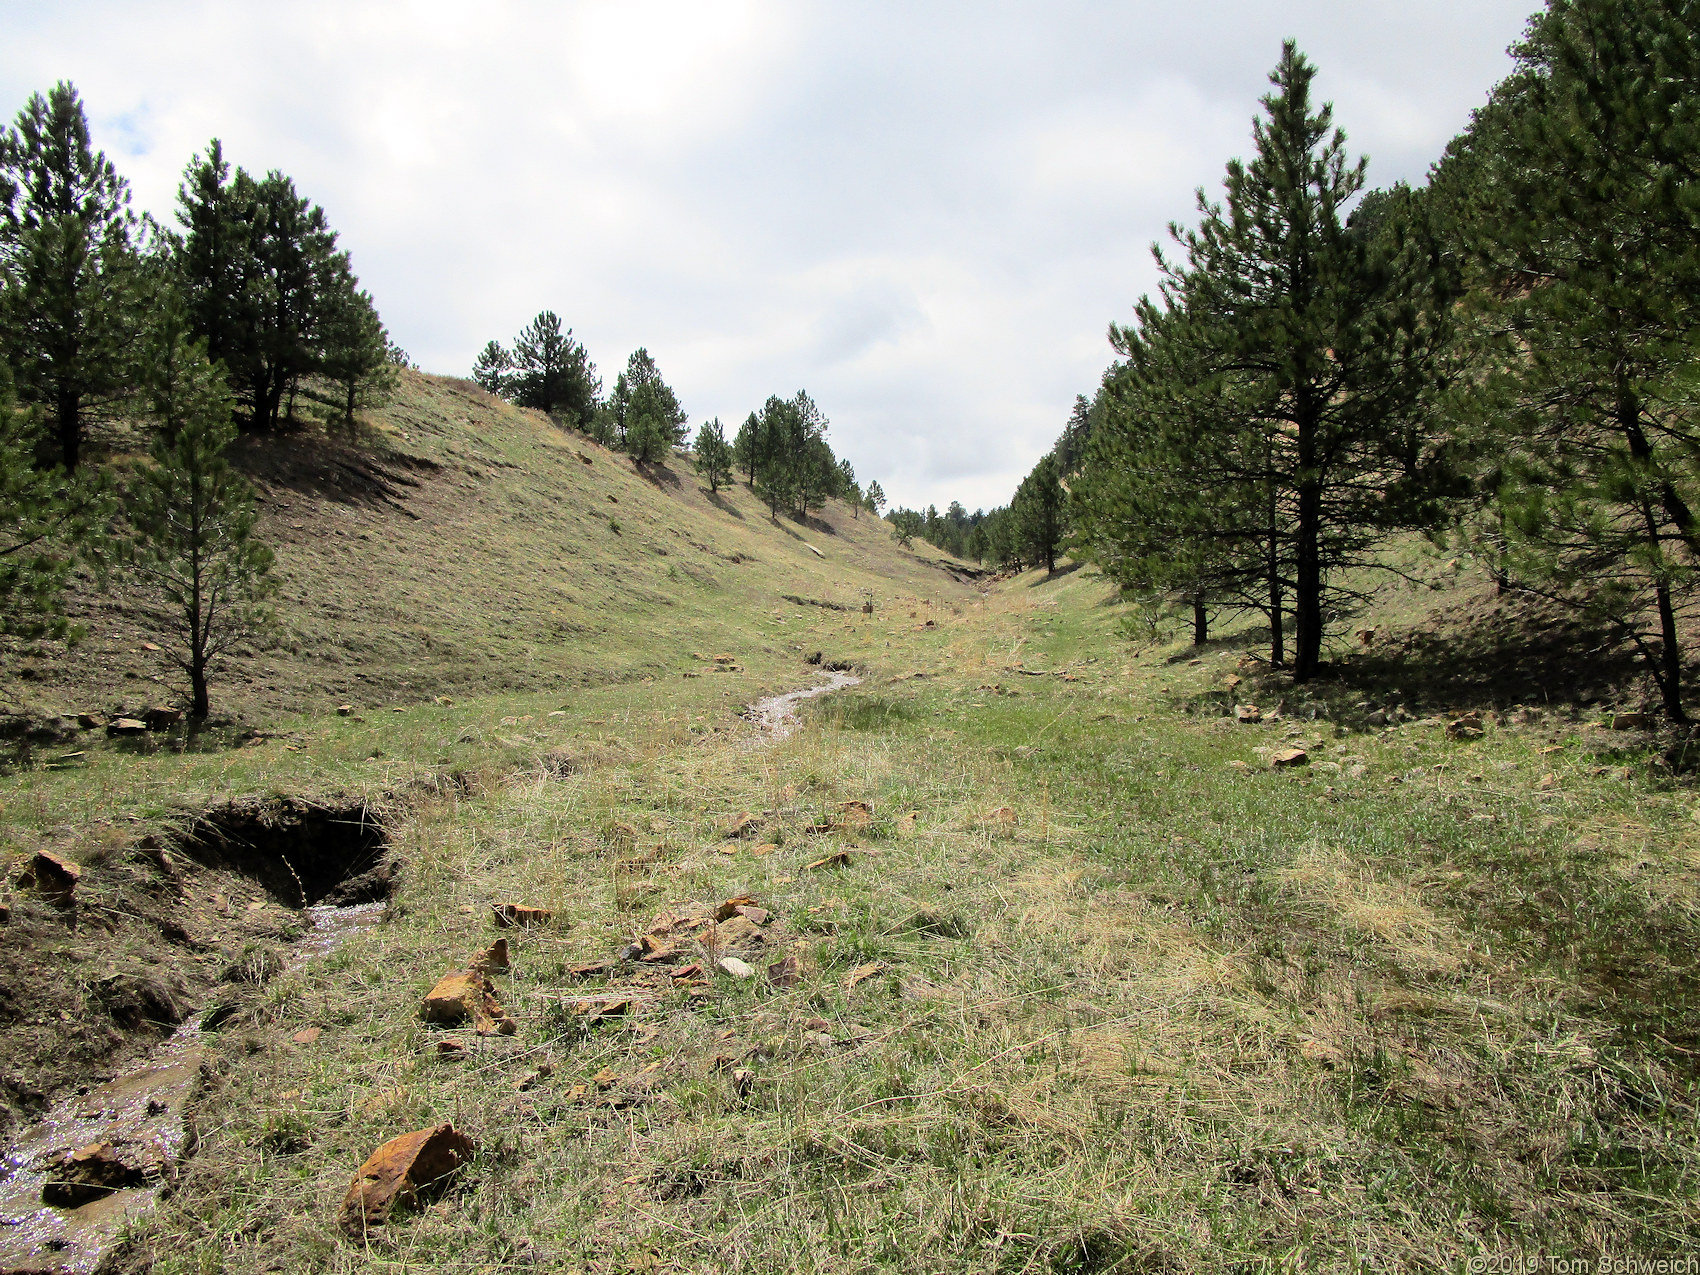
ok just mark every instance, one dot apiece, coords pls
pixel 461 545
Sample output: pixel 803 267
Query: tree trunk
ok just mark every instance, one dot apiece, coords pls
pixel 348 407
pixel 68 410
pixel 1277 635
pixel 1667 673
pixel 1307 558
pixel 1200 621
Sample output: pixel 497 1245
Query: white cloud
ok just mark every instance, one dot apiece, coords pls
pixel 925 214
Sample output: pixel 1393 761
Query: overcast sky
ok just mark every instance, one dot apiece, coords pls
pixel 925 214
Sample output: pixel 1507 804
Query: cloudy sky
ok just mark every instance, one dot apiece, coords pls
pixel 924 213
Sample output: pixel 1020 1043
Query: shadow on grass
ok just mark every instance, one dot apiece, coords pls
pixel 332 467
pixel 1067 569
pixel 720 502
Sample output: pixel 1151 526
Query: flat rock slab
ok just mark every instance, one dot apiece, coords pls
pixel 467 996
pixel 396 1173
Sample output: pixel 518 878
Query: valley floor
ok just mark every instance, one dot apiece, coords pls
pixel 1085 983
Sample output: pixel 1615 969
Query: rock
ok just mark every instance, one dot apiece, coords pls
pixel 854 814
pixel 1468 726
pixel 1376 719
pixel 754 915
pixel 150 646
pixel 736 968
pixel 784 974
pixel 738 932
pixel 492 960
pixel 1283 758
pixel 90 721
pixel 1632 721
pixel 744 825
pixel 1249 713
pixel 93 1172
pixel 307 1036
pixel 862 973
pixel 126 726
pixel 840 859
pixel 1549 781
pixel 517 916
pixel 345 710
pixel 466 995
pixel 733 907
pixel 161 717
pixel 50 876
pixel 397 1172
pixel 449 1049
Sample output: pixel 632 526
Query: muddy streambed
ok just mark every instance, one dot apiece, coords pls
pixel 777 714
pixel 72 1179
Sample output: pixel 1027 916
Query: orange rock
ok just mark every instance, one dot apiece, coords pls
pixel 466 995
pixel 395 1174
pixel 493 959
pixel 517 916
pixel 307 1035
pixel 50 876
pixel 1289 757
pixel 732 907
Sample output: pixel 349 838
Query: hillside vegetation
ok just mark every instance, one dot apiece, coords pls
pixel 459 544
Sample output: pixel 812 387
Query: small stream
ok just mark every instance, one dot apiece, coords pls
pixel 777 714
pixel 140 1114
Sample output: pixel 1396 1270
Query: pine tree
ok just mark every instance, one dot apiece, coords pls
pixel 746 447
pixel 1038 509
pixel 552 372
pixel 70 312
pixel 1335 340
pixel 875 498
pixel 1575 194
pixel 641 389
pixel 848 489
pixel 214 257
pixel 355 350
pixel 49 519
pixel 493 368
pixel 714 454
pixel 193 540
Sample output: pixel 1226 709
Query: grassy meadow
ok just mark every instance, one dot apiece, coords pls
pixel 1095 988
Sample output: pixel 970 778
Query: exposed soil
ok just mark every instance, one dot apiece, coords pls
pixel 163 927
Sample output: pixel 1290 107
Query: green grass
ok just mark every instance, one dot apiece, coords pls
pixel 1175 1015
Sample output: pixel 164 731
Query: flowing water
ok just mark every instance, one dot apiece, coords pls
pixel 777 714
pixel 141 1115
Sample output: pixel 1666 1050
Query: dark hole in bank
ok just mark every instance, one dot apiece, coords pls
pixel 301 852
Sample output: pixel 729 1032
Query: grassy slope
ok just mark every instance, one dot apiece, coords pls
pixel 1415 1002
pixel 466 546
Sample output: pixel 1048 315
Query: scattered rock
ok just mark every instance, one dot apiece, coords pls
pixel 492 960
pixel 736 968
pixel 151 646
pixel 840 859
pixel 95 1171
pixel 307 1035
pixel 518 916
pixel 744 825
pixel 345 710
pixel 465 995
pixel 126 726
pixel 451 1049
pixel 862 973
pixel 1248 713
pixel 784 974
pixel 1287 757
pixel 90 721
pixel 397 1172
pixel 733 907
pixel 1632 721
pixel 1467 726
pixel 51 877
pixel 161 717
pixel 854 814
pixel 738 932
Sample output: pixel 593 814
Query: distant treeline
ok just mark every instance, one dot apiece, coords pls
pixel 234 317
pixel 1503 359
pixel 781 448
